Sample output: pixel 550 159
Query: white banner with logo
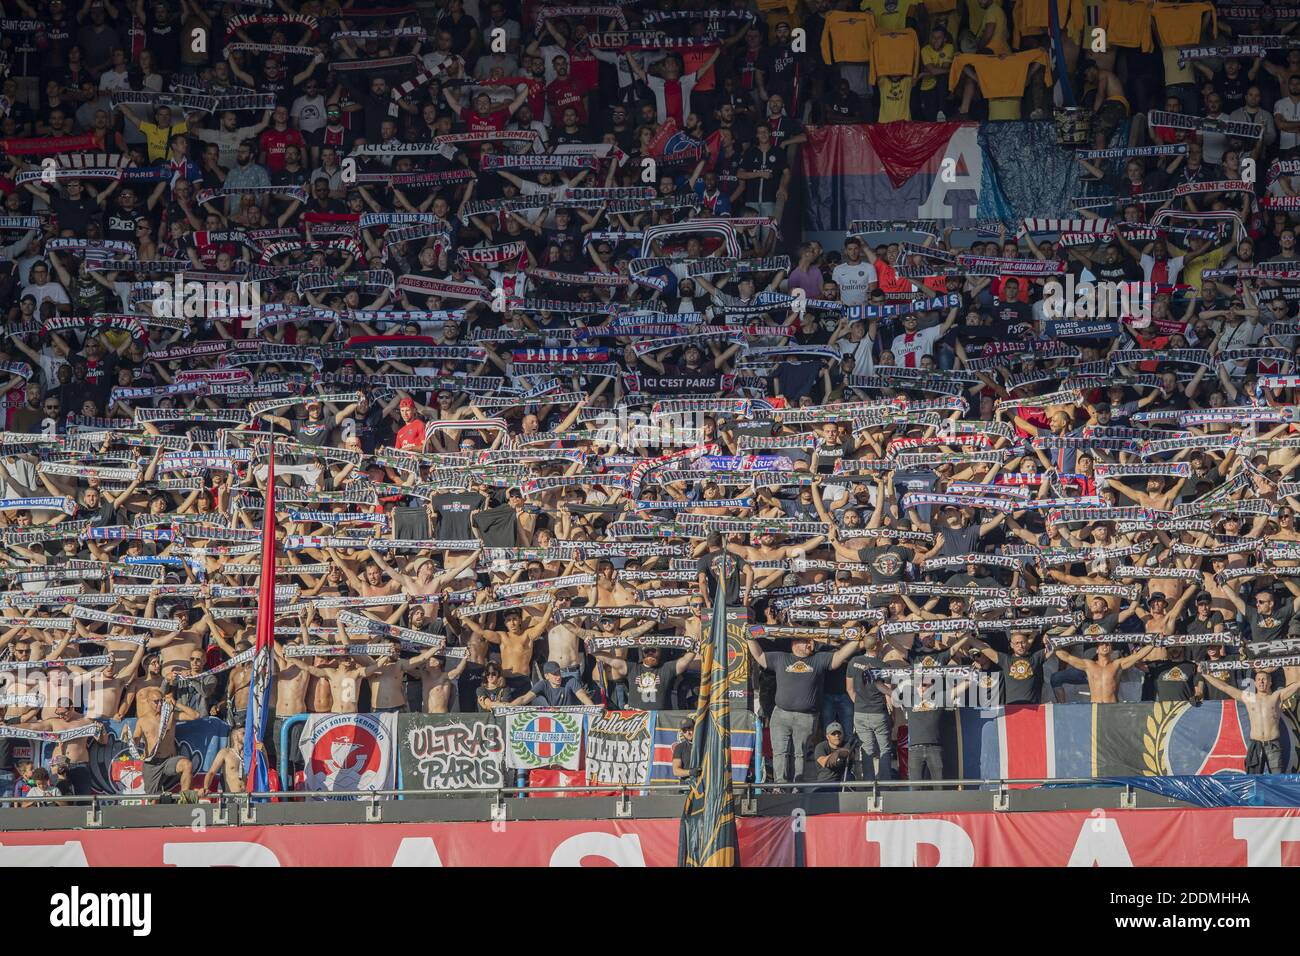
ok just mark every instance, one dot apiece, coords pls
pixel 342 752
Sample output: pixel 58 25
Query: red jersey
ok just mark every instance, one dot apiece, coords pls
pixel 565 93
pixel 410 435
pixel 274 142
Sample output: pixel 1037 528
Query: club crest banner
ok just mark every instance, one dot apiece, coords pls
pixel 342 752
pixel 539 738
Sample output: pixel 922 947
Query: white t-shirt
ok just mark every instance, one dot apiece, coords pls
pixel 909 347
pixel 1288 109
pixel 50 290
pixel 863 363
pixel 308 113
pixel 855 281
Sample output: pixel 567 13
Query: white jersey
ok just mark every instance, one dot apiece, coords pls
pixel 855 281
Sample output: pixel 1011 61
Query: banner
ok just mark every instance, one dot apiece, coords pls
pixel 349 752
pixel 1145 838
pixel 667 732
pixel 620 744
pixel 764 842
pixel 539 738
pixel 892 171
pixel 450 752
pixel 1112 740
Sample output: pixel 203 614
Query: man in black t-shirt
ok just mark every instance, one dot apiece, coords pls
pixel 834 760
pixel 872 712
pixel 682 750
pixel 924 718
pixel 1022 669
pixel 799 677
pixel 650 678
pixel 1175 678
pixel 1266 620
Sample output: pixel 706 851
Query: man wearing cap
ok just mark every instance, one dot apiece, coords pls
pixel 834 759
pixel 799 678
pixel 554 690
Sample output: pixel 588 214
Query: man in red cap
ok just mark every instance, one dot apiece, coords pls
pixel 411 434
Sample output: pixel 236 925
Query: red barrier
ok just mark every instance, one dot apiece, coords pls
pixel 763 842
pixel 1231 836
pixel 1148 838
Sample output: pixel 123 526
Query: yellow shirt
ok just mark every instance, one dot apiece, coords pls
pixel 932 57
pixel 1000 42
pixel 846 37
pixel 1191 274
pixel 895 98
pixel 157 137
pixel 1127 23
pixel 1001 77
pixel 894 54
pixel 1179 24
pixel 890 14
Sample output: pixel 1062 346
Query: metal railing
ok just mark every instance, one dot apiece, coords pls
pixel 244 805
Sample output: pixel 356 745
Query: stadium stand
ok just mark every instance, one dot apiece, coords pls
pixel 951 343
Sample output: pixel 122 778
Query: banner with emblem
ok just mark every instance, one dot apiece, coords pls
pixel 450 752
pixel 346 752
pixel 620 744
pixel 544 738
pixel 1139 739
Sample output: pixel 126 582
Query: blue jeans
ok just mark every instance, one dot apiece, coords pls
pixel 837 708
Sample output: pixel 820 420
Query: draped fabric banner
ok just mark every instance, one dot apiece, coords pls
pixel 349 752
pixel 619 747
pixel 892 171
pixel 450 752
pixel 1012 189
pixel 544 738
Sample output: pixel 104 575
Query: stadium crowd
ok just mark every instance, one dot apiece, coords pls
pixel 523 293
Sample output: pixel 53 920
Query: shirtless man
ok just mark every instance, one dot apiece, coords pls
pixel 1264 706
pixel 103 686
pixel 156 730
pixel 422 580
pixel 371 582
pixel 76 750
pixel 436 684
pixel 516 643
pixel 151 678
pixel 176 646
pixel 1103 673
pixel 229 762
pixel 344 675
pixel 387 695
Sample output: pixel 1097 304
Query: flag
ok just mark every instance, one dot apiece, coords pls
pixel 900 170
pixel 707 836
pixel 259 691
